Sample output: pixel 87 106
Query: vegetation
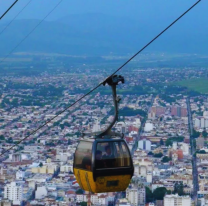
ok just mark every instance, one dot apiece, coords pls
pixel 83 203
pixel 195 134
pixel 157 194
pixel 178 188
pixel 204 134
pixel 165 159
pixel 149 195
pixel 199 85
pixel 169 141
pixel 131 112
pixel 158 155
pixel 150 153
pixel 161 142
pixel 80 191
pixel 2 137
pixel 199 152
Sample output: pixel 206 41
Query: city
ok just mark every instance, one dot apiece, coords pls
pixel 164 127
pixel 68 139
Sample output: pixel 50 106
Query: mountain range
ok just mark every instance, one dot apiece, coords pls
pixel 96 34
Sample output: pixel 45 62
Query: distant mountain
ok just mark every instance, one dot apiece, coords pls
pixel 99 34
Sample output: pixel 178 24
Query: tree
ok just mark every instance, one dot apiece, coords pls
pixel 158 155
pixel 83 203
pixel 80 191
pixel 2 137
pixel 161 142
pixel 178 188
pixel 150 153
pixel 41 164
pixel 159 193
pixel 195 134
pixel 169 141
pixel 69 142
pixel 149 195
pixel 62 126
pixel 165 159
pixel 204 133
pixel 10 140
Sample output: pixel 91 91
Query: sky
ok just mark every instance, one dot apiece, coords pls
pixel 144 13
pixel 144 9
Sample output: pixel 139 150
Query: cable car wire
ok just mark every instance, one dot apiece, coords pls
pixel 31 31
pixel 15 17
pixel 8 9
pixel 92 90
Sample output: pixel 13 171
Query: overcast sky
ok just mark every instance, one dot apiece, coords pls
pixel 37 9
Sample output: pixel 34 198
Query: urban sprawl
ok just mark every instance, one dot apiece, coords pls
pixel 164 123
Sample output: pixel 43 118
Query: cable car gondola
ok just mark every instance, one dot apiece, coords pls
pixel 102 161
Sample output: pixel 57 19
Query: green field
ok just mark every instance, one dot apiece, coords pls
pixel 198 85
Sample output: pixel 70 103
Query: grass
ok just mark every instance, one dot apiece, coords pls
pixel 198 85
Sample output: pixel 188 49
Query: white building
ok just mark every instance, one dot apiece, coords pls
pixel 96 199
pixel 63 157
pixel 13 191
pixel 81 198
pixel 149 177
pixel 205 114
pixel 175 200
pixel 148 127
pixel 174 145
pixel 141 196
pixel 201 123
pixel 41 192
pixel 185 148
pixel 136 196
pixel 132 196
pixel 144 144
pixel 204 202
pixel 20 175
pixel 66 168
pixel 197 123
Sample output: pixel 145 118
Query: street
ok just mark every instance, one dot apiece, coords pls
pixel 194 162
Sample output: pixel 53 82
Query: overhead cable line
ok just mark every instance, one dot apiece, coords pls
pixel 15 17
pixel 8 9
pixel 92 90
pixel 31 31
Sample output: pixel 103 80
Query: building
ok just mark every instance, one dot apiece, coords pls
pixel 158 111
pixel 46 169
pixel 15 157
pixel 197 123
pixel 66 168
pixel 178 111
pixel 201 123
pixel 148 127
pixel 200 142
pixel 185 148
pixel 14 192
pixel 136 196
pixel 141 196
pixel 175 200
pixel 20 175
pixel 204 202
pixel 41 192
pixel 175 145
pixel 144 144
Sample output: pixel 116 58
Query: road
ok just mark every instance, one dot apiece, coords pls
pixel 141 130
pixel 194 159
